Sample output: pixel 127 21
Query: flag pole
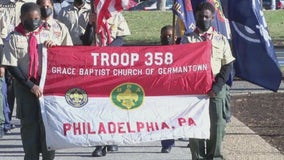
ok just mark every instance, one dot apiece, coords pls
pixel 174 25
pixel 94 25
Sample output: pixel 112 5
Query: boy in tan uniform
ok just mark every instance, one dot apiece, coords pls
pixel 52 28
pixel 76 17
pixel 22 56
pixel 10 17
pixel 221 64
pixel 118 29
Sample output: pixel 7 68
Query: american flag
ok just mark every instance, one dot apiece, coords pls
pixel 104 10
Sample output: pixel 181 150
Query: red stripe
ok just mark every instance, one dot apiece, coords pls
pixel 103 14
pixel 118 5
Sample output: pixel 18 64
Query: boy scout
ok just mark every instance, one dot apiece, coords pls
pixel 22 56
pixel 221 63
pixel 76 17
pixel 118 29
pixel 52 28
pixel 10 17
pixel 166 38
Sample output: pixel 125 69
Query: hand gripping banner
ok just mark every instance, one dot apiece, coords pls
pixel 125 95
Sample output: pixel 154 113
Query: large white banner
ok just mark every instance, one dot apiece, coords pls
pixel 85 104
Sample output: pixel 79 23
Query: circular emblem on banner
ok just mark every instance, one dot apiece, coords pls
pixel 128 96
pixel 76 97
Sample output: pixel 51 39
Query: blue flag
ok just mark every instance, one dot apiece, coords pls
pixel 252 46
pixel 183 9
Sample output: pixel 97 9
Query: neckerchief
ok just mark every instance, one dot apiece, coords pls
pixel 33 50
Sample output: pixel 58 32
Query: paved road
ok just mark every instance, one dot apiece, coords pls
pixel 280 55
pixel 240 143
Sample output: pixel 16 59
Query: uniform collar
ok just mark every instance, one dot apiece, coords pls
pixel 205 35
pixel 85 7
pixel 48 23
pixel 210 31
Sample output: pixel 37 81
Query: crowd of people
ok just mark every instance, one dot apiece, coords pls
pixel 26 26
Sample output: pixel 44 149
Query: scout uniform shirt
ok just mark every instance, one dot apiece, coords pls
pixel 118 26
pixel 57 32
pixel 16 51
pixel 221 52
pixel 16 46
pixel 76 21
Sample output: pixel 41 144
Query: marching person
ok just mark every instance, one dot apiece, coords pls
pixel 118 29
pixel 166 38
pixel 55 30
pixel 221 63
pixel 76 18
pixel 22 56
pixel 58 5
pixel 9 19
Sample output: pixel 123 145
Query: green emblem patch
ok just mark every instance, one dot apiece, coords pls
pixel 128 96
pixel 76 97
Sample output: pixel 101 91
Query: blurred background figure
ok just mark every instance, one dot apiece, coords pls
pixel 52 28
pixel 76 18
pixel 58 5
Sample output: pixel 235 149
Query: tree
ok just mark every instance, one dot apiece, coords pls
pixel 161 5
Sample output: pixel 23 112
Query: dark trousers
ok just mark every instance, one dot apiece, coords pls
pixel 32 127
pixel 167 143
pixel 34 143
pixel 10 92
pixel 211 149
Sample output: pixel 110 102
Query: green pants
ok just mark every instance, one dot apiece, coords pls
pixel 32 128
pixel 211 149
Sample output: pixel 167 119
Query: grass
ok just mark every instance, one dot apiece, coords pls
pixel 275 22
pixel 145 25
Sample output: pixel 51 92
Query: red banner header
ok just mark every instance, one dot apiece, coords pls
pixel 159 70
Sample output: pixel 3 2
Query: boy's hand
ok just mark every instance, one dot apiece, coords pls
pixel 49 43
pixel 37 91
pixel 2 72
